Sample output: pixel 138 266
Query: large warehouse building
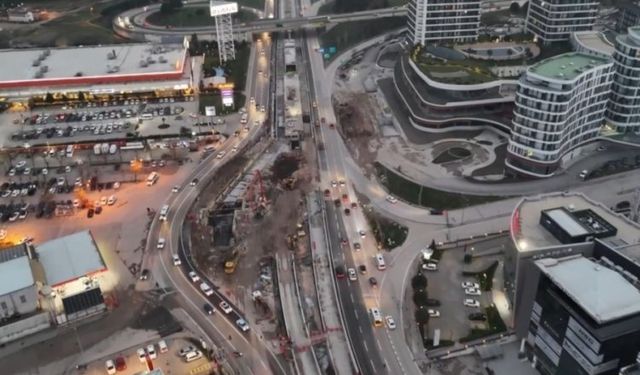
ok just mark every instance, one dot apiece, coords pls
pixel 95 72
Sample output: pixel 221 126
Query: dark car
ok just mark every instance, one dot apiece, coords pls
pixel 327 193
pixel 337 202
pixel 209 309
pixel 373 282
pixel 340 272
pixel 144 275
pixel 356 246
pixel 90 213
pixel 432 302
pixel 480 317
pixel 347 211
pixel 98 210
pixel 436 211
pixel 362 268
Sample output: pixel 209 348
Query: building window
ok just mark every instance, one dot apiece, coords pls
pixel 23 299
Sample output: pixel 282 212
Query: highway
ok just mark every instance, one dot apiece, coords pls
pixel 221 328
pixel 132 24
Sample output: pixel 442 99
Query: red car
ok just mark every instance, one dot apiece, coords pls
pixel 332 125
pixel 340 272
pixel 121 364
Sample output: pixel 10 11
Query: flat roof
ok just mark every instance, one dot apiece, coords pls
pixel 566 222
pixel 90 61
pixel 70 257
pixel 566 66
pixel 530 235
pixel 15 274
pixel 601 292
pixel 596 41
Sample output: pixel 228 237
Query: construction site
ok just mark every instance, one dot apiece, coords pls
pixel 249 233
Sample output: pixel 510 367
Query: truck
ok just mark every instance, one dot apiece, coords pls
pixel 231 262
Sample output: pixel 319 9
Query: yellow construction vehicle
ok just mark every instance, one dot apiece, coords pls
pixel 231 262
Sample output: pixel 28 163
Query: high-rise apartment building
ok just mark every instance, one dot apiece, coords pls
pixel 623 112
pixel 560 105
pixel 442 21
pixel 555 20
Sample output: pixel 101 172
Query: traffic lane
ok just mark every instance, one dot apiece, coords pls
pixel 352 311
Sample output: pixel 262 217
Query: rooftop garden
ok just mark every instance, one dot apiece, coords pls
pixel 461 72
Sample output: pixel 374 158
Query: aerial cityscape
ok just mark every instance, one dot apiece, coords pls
pixel 320 187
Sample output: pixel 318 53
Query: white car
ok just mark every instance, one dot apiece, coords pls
pixel 194 276
pixel 151 351
pixel 175 189
pixel 391 324
pixel 76 203
pixel 110 366
pixel 142 355
pixel 162 346
pixel 103 201
pixel 362 233
pixel 583 175
pixel 224 306
pixel 430 267
pixel 234 149
pixel 433 313
pixel 220 155
pixel 472 292
pixel 334 183
pixel 176 259
pixel 471 302
pixel 161 243
pixel 206 289
pixel 243 325
pixel 391 199
pixel 469 284
pixel 112 200
pixel 185 350
pixel 21 164
pixel 353 276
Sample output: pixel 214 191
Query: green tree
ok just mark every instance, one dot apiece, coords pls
pixel 48 98
pixel 419 282
pixel 420 298
pixel 422 316
pixel 514 8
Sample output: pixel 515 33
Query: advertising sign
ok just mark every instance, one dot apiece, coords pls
pixel 219 8
pixel 210 110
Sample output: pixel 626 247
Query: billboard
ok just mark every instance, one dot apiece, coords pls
pixel 219 8
pixel 210 110
pixel 226 91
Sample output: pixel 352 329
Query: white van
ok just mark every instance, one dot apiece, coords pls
pixel 70 151
pixel 146 116
pixel 192 356
pixel 244 118
pixel 376 316
pixel 163 212
pixel 153 178
pixel 380 262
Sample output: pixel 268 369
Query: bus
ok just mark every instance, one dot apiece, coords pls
pixel 376 317
pixel 70 151
pixel 132 146
pixel 380 262
pixel 153 178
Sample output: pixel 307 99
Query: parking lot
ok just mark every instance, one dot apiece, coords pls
pixel 96 121
pixel 446 285
pixel 134 359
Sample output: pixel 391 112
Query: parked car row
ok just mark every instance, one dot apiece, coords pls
pixel 45 118
pixel 18 189
pixel 13 211
pixel 71 131
pixel 163 111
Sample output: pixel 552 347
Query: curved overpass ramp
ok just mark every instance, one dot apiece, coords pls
pixel 132 24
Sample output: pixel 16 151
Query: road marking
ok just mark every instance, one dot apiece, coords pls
pixel 379 346
pixel 351 296
pixel 360 329
pixel 372 365
pixel 355 312
pixel 366 348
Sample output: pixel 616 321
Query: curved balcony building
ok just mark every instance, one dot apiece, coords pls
pixel 623 113
pixel 560 106
pixel 452 101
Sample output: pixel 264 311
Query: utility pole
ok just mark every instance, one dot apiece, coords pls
pixel 634 215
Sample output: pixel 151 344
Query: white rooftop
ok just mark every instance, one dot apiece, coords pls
pixel 602 293
pixel 70 257
pixel 595 41
pixel 568 223
pixel 532 236
pixel 289 52
pixel 90 61
pixel 15 274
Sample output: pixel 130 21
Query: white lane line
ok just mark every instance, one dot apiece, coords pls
pixel 379 346
pixel 360 329
pixel 366 348
pixel 355 312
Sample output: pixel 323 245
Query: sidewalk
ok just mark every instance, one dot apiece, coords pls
pixel 336 342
